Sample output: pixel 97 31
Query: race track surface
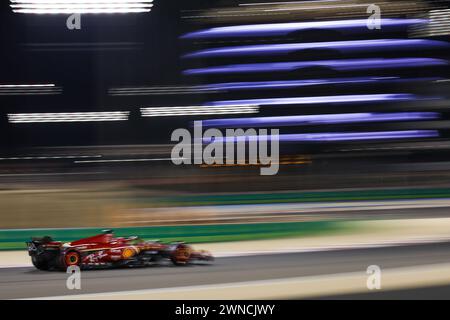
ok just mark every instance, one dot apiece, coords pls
pixel 31 283
pixel 425 293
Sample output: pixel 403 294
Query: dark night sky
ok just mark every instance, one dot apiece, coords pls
pixel 40 49
pixel 29 55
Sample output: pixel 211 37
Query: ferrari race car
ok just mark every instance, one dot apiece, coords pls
pixel 109 251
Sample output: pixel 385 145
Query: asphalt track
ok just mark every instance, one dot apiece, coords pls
pixel 425 293
pixel 31 283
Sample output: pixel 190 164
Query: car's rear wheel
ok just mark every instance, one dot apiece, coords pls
pixel 40 263
pixel 71 258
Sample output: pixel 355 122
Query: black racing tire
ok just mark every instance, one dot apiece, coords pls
pixel 40 263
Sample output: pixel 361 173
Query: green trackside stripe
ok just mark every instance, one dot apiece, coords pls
pixel 15 239
pixel 320 196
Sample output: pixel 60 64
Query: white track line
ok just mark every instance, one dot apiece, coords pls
pixel 16 265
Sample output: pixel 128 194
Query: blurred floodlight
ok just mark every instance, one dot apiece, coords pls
pixel 302 10
pixel 355 98
pixel 198 110
pixel 439 24
pixel 158 90
pixel 341 46
pixel 29 89
pixel 278 29
pixel 319 119
pixel 338 65
pixel 285 84
pixel 68 117
pixel 48 85
pixel 332 136
pixel 80 6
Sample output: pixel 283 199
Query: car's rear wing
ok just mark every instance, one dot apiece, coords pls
pixel 41 240
pixel 39 245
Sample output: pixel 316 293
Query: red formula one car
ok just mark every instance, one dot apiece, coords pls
pixel 105 250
